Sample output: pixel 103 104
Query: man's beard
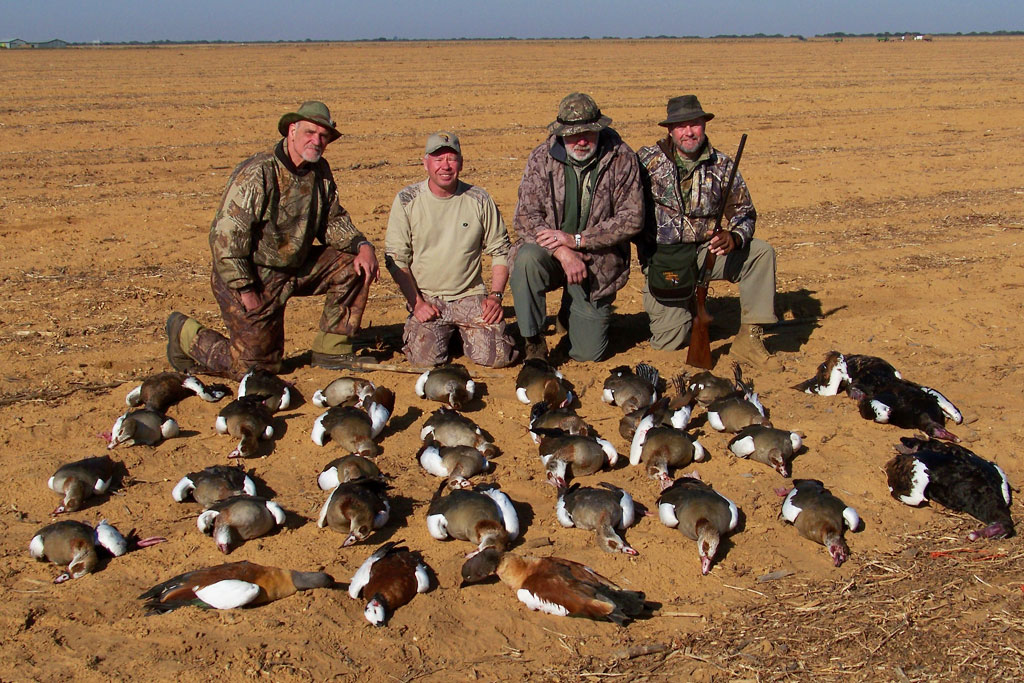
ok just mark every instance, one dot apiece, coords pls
pixel 571 151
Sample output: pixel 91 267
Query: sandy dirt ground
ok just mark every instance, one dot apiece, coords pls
pixel 886 175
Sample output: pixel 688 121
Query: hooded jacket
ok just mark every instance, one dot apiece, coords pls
pixel 616 208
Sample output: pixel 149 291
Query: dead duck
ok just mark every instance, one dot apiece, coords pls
pixel 247 419
pixel 819 516
pixel 343 391
pixel 557 586
pixel 74 545
pixel 456 463
pixel 212 484
pixel 668 410
pixel 732 413
pixel 388 579
pixel 355 508
pixel 631 389
pixel 449 428
pixel 450 384
pixel 739 409
pixel 165 389
pixel 660 448
pixel 345 469
pixel 883 395
pixel 78 480
pixel 276 393
pixel 142 427
pixel 600 510
pixel 708 387
pixel 227 586
pixel 700 513
pixel 911 406
pixel 954 477
pixel 235 520
pixel 539 381
pixel 839 372
pixel 767 445
pixel 543 416
pixel 568 455
pixel 351 428
pixel 482 515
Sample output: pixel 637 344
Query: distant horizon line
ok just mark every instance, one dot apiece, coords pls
pixel 394 39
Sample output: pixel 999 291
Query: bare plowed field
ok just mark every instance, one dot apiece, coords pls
pixel 888 176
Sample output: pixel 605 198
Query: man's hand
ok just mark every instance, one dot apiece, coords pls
pixel 251 299
pixel 424 311
pixel 573 264
pixel 492 310
pixel 722 243
pixel 552 239
pixel 365 263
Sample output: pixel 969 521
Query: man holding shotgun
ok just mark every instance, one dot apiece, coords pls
pixel 685 180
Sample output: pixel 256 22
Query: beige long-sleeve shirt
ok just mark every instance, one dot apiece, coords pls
pixel 441 239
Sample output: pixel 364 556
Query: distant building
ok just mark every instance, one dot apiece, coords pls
pixel 18 43
pixel 51 44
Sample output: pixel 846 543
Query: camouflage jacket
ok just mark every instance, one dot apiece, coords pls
pixel 616 209
pixel 271 212
pixel 667 221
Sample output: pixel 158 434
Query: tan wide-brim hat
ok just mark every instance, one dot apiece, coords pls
pixel 314 112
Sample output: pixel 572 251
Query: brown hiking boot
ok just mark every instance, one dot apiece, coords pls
pixel 336 361
pixel 177 357
pixel 535 347
pixel 748 346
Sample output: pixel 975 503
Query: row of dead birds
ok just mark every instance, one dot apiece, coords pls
pixel 454 447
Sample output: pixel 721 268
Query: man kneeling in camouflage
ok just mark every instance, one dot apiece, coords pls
pixel 262 240
pixel 437 231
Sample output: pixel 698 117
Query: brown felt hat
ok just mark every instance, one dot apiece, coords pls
pixel 314 112
pixel 685 108
pixel 578 113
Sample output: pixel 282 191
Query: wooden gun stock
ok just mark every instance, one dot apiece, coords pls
pixel 698 354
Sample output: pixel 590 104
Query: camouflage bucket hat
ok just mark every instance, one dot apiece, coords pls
pixel 685 108
pixel 314 112
pixel 578 113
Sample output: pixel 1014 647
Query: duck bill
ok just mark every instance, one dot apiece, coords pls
pixel 839 553
pixel 705 565
pixel 152 540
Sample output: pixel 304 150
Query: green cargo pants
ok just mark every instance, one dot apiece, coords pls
pixel 753 268
pixel 535 272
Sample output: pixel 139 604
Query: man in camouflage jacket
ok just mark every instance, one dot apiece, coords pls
pixel 262 239
pixel 684 180
pixel 580 204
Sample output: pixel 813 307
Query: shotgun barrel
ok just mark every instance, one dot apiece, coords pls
pixel 698 354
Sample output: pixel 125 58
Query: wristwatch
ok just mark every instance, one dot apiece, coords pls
pixel 579 240
pixel 500 295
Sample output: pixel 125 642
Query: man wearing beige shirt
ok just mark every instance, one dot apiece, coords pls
pixel 437 232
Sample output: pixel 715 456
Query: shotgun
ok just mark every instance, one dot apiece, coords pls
pixel 699 352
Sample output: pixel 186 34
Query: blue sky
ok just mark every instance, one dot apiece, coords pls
pixel 250 20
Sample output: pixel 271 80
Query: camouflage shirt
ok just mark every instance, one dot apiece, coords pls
pixel 271 212
pixel 668 221
pixel 616 208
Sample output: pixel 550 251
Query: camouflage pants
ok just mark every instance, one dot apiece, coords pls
pixel 426 344
pixel 257 336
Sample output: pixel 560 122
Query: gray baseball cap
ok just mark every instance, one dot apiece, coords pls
pixel 442 139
